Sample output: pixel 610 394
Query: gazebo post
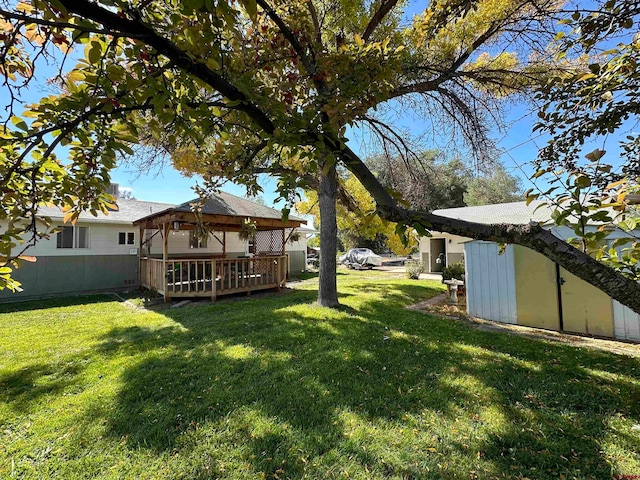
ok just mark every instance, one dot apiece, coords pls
pixel 224 243
pixel 165 241
pixel 284 254
pixel 140 240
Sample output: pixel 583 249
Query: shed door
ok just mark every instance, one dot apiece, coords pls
pixel 536 289
pixel 550 297
pixel 585 308
pixel 490 282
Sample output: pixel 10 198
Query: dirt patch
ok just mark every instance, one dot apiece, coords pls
pixel 439 306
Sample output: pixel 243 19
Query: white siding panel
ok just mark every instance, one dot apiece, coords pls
pixel 103 240
pixel 626 322
pixel 490 282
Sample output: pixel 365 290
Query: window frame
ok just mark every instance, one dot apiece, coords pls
pixel 75 238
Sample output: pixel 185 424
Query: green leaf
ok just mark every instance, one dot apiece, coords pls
pixel 422 231
pixel 19 123
pixel 583 181
pixel 95 53
pixel 530 198
pixel 251 7
pixel 629 224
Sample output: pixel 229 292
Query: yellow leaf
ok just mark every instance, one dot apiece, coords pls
pixel 75 76
pixel 621 197
pixel 586 76
pixel 358 40
pixel 615 184
pixel 27 258
pixel 24 7
pixel 73 216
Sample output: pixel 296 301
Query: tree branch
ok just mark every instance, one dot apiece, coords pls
pixel 385 7
pixel 65 25
pixel 532 236
pixel 140 31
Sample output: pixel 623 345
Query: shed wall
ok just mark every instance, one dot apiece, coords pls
pixel 490 282
pixel 626 322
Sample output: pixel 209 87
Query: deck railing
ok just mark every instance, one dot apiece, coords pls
pixel 213 277
pixel 152 274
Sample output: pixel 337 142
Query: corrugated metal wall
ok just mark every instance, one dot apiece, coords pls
pixel 491 292
pixel 297 262
pixel 626 322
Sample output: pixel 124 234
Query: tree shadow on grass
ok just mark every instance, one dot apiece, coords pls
pixel 21 389
pixel 288 385
pixel 62 301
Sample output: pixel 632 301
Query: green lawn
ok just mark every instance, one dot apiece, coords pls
pixel 276 387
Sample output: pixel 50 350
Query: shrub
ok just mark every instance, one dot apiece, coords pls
pixel 414 269
pixel 455 270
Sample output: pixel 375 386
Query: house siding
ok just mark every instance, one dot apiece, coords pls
pixel 56 275
pixel 454 248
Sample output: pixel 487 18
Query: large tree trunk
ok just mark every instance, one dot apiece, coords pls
pixel 327 195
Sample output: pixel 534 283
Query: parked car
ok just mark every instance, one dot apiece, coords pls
pixel 360 258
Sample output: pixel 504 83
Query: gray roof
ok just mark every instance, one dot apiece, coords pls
pixel 223 203
pixel 518 213
pixel 128 211
pixel 131 210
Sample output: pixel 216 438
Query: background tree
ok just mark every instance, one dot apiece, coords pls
pixel 425 180
pixel 357 221
pixel 498 186
pixel 259 87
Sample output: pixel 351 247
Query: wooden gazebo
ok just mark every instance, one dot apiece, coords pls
pixel 212 275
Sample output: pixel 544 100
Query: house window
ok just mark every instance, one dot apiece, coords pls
pixel 126 238
pixel 196 242
pixel 73 237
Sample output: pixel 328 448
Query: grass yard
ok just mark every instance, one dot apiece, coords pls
pixel 276 387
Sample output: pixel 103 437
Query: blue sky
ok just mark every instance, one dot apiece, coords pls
pixel 167 185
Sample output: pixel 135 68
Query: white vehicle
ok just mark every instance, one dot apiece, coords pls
pixel 360 258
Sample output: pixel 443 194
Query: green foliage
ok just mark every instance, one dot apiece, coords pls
pixel 426 182
pixel 247 230
pixel 314 241
pixel 413 269
pixel 453 271
pixel 601 96
pixel 499 186
pixel 358 224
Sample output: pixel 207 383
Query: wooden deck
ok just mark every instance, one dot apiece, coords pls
pixel 212 277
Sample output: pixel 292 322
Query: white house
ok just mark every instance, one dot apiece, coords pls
pixel 523 287
pixel 105 252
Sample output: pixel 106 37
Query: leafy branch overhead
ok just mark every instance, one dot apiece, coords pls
pixel 595 193
pixel 234 90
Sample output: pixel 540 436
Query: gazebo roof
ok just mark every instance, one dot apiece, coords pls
pixel 222 210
